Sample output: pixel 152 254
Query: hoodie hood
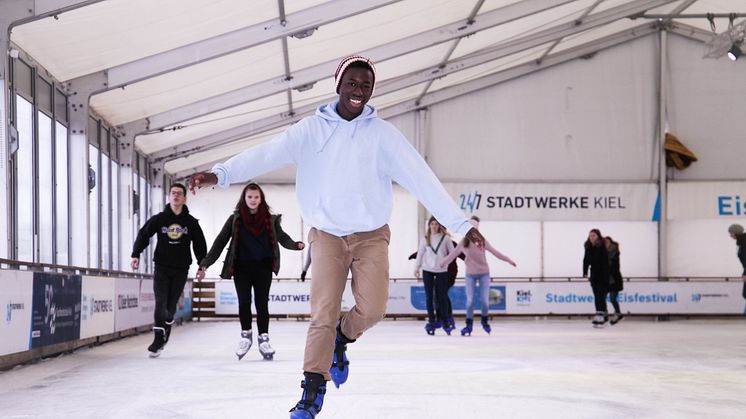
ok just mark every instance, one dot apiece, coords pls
pixel 329 113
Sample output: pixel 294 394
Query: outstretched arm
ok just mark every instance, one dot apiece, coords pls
pixel 497 254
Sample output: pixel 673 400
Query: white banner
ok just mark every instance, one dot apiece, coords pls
pixel 134 303
pixel 97 307
pixel 557 202
pixel 636 298
pixel 706 200
pixel 16 302
pixel 408 297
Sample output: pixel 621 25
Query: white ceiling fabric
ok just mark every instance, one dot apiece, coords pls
pixel 110 33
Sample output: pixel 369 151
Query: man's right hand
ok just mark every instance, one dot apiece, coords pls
pixel 201 180
pixel 135 263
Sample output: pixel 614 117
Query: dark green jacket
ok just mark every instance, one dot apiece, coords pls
pixel 229 232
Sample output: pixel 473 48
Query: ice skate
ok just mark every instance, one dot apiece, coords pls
pixel 467 330
pixel 265 349
pixel 340 364
pixel 314 388
pixel 452 322
pixel 485 325
pixel 599 320
pixel 430 328
pixel 448 328
pixel 159 341
pixel 168 332
pixel 244 344
pixel 616 318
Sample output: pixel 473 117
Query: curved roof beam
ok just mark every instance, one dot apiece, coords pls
pixel 498 51
pixel 494 79
pixel 318 72
pixel 32 10
pixel 227 43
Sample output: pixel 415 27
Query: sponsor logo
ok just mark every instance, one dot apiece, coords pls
pixel 471 201
pixel 697 297
pixel 523 297
pixel 10 307
pixel 127 301
pixel 496 296
pixel 174 231
pixel 731 205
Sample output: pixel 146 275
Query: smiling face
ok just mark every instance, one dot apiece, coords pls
pixel 355 90
pixel 252 198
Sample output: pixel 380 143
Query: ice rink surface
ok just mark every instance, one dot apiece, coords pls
pixel 526 368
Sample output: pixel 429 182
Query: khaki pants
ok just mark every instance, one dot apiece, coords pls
pixel 366 255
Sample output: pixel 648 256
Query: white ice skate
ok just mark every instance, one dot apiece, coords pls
pixel 244 344
pixel 265 349
pixel 599 320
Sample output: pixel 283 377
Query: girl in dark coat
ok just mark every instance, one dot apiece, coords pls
pixel 253 254
pixel 616 282
pixel 597 259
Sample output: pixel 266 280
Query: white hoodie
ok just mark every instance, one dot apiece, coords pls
pixel 344 172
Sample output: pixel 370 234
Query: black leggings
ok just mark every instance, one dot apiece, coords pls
pixel 168 285
pixel 613 295
pixel 257 274
pixel 599 296
pixel 436 283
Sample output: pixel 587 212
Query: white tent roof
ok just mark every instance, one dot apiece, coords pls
pixel 227 73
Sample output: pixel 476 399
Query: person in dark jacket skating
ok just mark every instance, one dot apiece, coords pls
pixel 616 282
pixel 176 230
pixel 597 259
pixel 737 234
pixel 253 254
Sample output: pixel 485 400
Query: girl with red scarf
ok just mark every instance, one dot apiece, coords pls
pixel 253 254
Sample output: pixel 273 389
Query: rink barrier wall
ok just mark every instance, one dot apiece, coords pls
pixel 508 296
pixel 56 310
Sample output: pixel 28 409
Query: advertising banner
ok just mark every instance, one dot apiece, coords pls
pixel 540 298
pixel 97 307
pixel 127 303
pixel 56 308
pixel 16 302
pixel 706 200
pixel 146 302
pixel 636 298
pixel 557 202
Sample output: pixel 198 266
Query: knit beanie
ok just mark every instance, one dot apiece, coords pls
pixel 735 229
pixel 345 63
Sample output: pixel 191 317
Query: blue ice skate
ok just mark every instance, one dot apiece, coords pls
pixel 485 325
pixel 467 330
pixel 448 328
pixel 314 388
pixel 430 328
pixel 340 364
pixel 452 322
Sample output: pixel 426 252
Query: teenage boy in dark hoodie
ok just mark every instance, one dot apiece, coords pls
pixel 176 230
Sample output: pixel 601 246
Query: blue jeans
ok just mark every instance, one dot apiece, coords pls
pixel 484 288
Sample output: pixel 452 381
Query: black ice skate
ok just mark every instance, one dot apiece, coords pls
pixel 616 318
pixel 159 341
pixel 168 332
pixel 314 388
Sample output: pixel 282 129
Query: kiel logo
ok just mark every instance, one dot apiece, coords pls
pixel 471 201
